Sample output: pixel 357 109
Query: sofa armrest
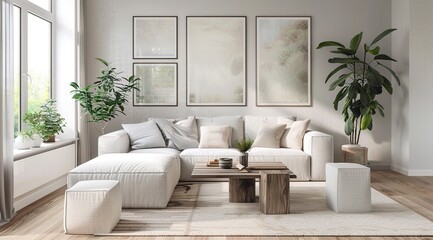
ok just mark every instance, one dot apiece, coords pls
pixel 114 142
pixel 320 147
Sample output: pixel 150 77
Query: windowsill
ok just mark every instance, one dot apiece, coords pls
pixel 45 147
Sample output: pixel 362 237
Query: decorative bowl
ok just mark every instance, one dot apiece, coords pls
pixel 226 163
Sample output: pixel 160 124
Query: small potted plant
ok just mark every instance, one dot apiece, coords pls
pixel 46 122
pixel 24 140
pixel 244 146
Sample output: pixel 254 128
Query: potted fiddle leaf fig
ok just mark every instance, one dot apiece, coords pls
pixel 359 81
pixel 104 99
pixel 244 146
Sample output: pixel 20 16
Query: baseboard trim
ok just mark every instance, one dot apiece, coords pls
pixel 399 169
pixel 379 166
pixel 421 173
pixel 38 193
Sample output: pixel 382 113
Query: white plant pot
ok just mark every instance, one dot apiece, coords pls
pixel 37 141
pixel 355 153
pixel 23 143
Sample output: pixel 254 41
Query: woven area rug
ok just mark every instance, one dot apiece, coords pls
pixel 202 209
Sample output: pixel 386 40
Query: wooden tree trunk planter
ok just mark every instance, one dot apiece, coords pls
pixel 354 153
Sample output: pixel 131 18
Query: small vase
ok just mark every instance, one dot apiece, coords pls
pixel 51 139
pixel 37 141
pixel 244 159
pixel 23 143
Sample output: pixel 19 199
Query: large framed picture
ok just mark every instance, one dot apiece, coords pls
pixel 157 85
pixel 154 37
pixel 283 61
pixel 216 61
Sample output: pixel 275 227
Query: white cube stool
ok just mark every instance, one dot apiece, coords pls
pixel 348 187
pixel 92 207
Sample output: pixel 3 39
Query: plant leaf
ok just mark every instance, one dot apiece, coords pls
pixel 365 121
pixel 356 40
pixel 374 51
pixel 384 57
pixel 338 81
pixel 392 72
pixel 102 61
pixel 365 97
pixel 382 35
pixel 335 71
pixel 344 60
pixel 387 85
pixel 329 44
pixel 348 126
pixel 340 95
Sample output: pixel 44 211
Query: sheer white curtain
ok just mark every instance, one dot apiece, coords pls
pixel 83 146
pixel 6 119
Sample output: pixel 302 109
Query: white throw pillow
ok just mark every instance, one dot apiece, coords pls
pixel 269 135
pixel 144 135
pixel 295 135
pixel 214 136
pixel 288 123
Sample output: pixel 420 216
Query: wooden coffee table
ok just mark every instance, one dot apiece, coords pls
pixel 274 184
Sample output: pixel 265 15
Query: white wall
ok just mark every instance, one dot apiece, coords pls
pixel 109 36
pixel 400 97
pixel 421 87
pixel 412 117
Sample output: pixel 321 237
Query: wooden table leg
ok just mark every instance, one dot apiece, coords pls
pixel 275 192
pixel 242 190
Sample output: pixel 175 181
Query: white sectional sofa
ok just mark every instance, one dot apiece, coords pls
pixel 308 163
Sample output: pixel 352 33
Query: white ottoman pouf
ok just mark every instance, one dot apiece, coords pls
pixel 147 180
pixel 92 207
pixel 348 187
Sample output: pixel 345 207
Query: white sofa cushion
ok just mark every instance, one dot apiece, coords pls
pixel 147 180
pixel 180 134
pixel 189 157
pixel 269 135
pixel 296 160
pixel 169 151
pixel 214 136
pixel 144 135
pixel 235 122
pixel 253 123
pixel 293 139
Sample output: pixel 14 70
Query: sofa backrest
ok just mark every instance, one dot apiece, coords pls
pixel 236 122
pixel 253 123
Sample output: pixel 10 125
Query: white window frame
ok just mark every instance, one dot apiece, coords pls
pixel 26 8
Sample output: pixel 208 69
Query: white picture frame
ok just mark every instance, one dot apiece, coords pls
pixel 155 37
pixel 283 61
pixel 157 84
pixel 216 61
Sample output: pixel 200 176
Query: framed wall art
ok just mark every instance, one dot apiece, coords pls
pixel 157 85
pixel 283 61
pixel 154 37
pixel 216 61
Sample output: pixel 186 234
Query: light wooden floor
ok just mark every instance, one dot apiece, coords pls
pixel 43 219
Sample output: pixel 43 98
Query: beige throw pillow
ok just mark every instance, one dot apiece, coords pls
pixel 214 136
pixel 295 135
pixel 269 135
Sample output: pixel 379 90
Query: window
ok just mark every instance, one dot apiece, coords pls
pixel 33 51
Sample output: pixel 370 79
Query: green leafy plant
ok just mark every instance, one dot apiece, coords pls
pixel 104 99
pixel 359 82
pixel 244 145
pixel 46 122
pixel 26 134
